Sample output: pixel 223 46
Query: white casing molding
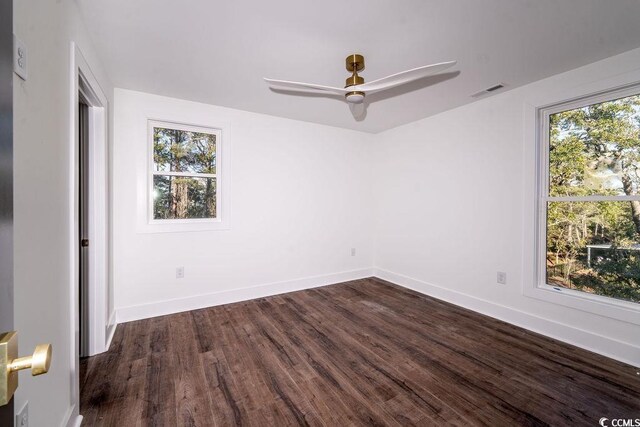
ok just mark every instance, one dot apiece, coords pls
pixel 82 79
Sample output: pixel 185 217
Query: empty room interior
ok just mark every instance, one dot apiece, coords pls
pixel 330 213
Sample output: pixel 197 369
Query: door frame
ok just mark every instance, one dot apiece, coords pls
pixel 101 321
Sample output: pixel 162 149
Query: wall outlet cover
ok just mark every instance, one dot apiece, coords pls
pixel 19 58
pixel 502 277
pixel 22 417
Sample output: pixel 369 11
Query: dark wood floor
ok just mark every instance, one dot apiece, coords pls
pixel 359 353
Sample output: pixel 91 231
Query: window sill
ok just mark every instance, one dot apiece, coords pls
pixel 616 309
pixel 183 226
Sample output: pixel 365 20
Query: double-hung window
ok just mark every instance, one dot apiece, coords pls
pixel 184 180
pixel 589 198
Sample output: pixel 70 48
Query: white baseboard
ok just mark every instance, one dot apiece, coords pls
pixel 78 421
pixel 624 352
pixel 614 349
pixel 111 329
pixel 161 308
pixel 72 419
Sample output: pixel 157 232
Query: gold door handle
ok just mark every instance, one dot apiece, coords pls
pixel 39 363
pixel 10 364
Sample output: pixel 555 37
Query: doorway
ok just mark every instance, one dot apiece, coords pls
pixel 83 228
pixel 92 320
pixel 93 325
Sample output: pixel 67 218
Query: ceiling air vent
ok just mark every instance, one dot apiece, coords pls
pixel 488 90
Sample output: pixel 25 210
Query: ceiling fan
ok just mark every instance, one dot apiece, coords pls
pixel 355 88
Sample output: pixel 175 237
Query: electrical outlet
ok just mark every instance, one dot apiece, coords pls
pixel 19 58
pixel 353 251
pixel 180 273
pixel 22 417
pixel 502 277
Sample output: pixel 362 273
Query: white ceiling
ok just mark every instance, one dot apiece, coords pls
pixel 217 52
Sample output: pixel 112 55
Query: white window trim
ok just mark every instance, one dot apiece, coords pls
pixel 538 288
pixel 222 175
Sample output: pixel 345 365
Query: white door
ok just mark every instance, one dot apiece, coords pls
pixel 6 182
pixel 10 363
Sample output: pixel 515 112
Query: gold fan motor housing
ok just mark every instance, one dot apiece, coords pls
pixel 353 80
pixel 354 64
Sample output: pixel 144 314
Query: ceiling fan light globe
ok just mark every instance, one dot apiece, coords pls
pixel 355 97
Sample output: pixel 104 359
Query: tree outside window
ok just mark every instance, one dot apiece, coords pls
pixel 185 179
pixel 593 202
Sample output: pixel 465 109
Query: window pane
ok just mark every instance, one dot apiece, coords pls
pixel 183 151
pixel 594 247
pixel 177 197
pixel 595 150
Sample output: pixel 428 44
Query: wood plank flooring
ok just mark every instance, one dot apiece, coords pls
pixel 364 352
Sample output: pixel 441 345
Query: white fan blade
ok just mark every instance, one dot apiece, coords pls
pixel 403 77
pixel 304 87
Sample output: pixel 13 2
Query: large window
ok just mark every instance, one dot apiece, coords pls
pixel 590 197
pixel 184 172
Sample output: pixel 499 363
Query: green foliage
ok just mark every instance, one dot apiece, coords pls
pixel 616 275
pixel 595 150
pixel 183 151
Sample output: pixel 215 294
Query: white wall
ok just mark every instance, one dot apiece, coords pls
pixel 439 205
pixel 454 202
pixel 301 198
pixel 42 135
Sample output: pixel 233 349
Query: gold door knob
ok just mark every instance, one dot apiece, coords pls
pixel 39 363
pixel 10 364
